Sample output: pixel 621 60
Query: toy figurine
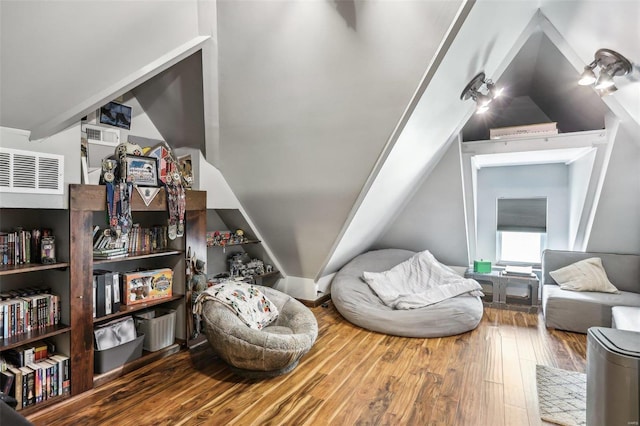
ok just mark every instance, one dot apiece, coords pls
pixel 197 284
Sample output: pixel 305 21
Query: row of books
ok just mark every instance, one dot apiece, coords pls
pixel 21 246
pixel 29 310
pixel 31 375
pixel 139 239
pixel 148 239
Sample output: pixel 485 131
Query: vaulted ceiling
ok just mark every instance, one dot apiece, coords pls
pixel 301 104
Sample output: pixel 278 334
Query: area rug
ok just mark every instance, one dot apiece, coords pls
pixel 562 395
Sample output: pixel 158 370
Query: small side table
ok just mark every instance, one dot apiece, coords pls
pixel 509 291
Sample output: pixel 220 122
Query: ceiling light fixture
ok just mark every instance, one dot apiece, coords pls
pixel 482 100
pixel 612 64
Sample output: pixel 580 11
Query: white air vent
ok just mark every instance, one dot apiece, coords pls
pixel 31 172
pixel 101 135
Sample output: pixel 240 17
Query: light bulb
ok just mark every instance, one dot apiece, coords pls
pixel 483 100
pixel 493 91
pixel 588 77
pixel 607 90
pixel 482 109
pixel 604 81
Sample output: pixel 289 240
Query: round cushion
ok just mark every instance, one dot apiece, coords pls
pixel 272 351
pixel 355 301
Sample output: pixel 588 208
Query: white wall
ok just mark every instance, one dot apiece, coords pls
pixel 65 143
pixel 531 181
pixel 434 217
pixel 616 225
pixel 579 176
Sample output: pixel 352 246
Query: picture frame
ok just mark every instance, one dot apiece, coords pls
pixel 142 171
pixel 115 114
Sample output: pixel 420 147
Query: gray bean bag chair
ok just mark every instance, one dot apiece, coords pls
pixel 356 302
pixel 270 352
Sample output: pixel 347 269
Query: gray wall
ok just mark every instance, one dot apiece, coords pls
pixel 309 94
pixel 542 180
pixel 434 217
pixel 174 101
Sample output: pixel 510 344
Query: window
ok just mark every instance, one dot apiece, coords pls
pixel 521 229
pixel 520 247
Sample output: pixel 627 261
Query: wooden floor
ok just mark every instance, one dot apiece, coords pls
pixel 350 376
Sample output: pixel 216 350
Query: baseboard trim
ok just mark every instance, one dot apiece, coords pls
pixel 317 302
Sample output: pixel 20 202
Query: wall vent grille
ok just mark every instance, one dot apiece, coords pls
pixel 31 172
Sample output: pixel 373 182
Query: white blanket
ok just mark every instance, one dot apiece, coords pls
pixel 419 281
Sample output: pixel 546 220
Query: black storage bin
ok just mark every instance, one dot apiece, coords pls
pixel 109 359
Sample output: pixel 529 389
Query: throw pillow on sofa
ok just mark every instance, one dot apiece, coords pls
pixel 585 275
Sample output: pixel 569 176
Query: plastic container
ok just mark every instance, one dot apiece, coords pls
pixel 613 376
pixel 117 356
pixel 159 328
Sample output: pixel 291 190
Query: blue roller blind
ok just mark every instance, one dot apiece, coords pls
pixel 522 214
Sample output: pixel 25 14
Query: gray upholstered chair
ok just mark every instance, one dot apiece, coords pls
pixel 269 352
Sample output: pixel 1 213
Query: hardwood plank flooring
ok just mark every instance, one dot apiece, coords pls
pixel 350 376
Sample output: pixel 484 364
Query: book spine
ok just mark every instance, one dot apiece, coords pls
pixel 17 386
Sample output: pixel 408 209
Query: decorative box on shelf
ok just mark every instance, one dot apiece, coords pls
pixel 144 286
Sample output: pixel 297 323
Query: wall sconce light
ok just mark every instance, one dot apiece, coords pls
pixel 612 64
pixel 472 91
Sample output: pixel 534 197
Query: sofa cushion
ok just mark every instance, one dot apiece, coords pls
pixel 625 318
pixel 577 311
pixel 584 275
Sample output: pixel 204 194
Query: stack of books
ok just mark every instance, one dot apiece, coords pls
pixel 519 271
pixel 113 253
pixel 106 246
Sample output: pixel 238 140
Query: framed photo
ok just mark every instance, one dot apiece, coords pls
pixel 115 114
pixel 142 171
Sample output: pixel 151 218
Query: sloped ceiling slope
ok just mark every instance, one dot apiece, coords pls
pixel 55 55
pixel 309 94
pixel 614 24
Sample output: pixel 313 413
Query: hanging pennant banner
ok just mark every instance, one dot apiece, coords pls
pixel 147 194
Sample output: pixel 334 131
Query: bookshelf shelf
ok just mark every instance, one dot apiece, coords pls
pixel 138 256
pixel 128 310
pixel 39 406
pixel 268 274
pixel 33 336
pixel 147 357
pixel 235 244
pixel 31 267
